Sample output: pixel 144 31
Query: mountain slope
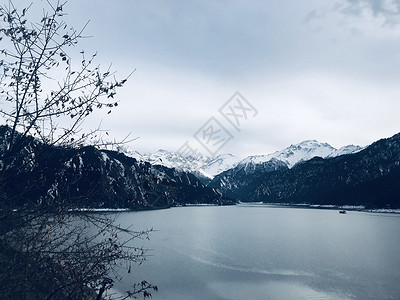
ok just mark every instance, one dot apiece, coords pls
pixel 238 182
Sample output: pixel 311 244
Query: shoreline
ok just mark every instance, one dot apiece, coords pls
pixel 360 208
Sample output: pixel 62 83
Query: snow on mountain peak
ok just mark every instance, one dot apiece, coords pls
pixel 294 153
pixel 349 149
pixel 216 165
pixel 205 165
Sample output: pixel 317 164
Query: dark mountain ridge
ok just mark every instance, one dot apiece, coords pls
pixel 240 181
pixel 93 178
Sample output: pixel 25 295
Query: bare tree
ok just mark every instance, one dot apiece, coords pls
pixel 37 101
pixel 48 251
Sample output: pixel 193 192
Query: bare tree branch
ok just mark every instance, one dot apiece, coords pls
pixel 48 249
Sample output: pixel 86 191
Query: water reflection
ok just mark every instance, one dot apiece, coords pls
pixel 272 290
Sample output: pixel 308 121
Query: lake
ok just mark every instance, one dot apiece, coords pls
pixel 267 252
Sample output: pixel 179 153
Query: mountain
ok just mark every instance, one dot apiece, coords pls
pixel 248 173
pixel 370 177
pixel 89 177
pixel 303 151
pixel 308 172
pixel 204 167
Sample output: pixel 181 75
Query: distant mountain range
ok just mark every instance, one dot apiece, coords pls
pixel 368 177
pixel 309 172
pixel 209 167
pixel 202 166
pixel 248 173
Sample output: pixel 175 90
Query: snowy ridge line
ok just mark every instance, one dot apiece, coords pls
pixel 384 210
pixel 196 204
pixel 360 208
pixel 209 167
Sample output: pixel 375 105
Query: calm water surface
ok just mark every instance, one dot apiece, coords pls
pixel 264 252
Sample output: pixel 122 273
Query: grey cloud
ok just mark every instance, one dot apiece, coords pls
pixel 389 9
pixel 284 57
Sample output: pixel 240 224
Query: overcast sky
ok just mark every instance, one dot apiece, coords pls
pixel 312 69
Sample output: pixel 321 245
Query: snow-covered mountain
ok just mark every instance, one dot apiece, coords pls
pixel 171 160
pixel 209 167
pixel 249 173
pixel 303 151
pixel 294 153
pixel 370 178
pixel 203 166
